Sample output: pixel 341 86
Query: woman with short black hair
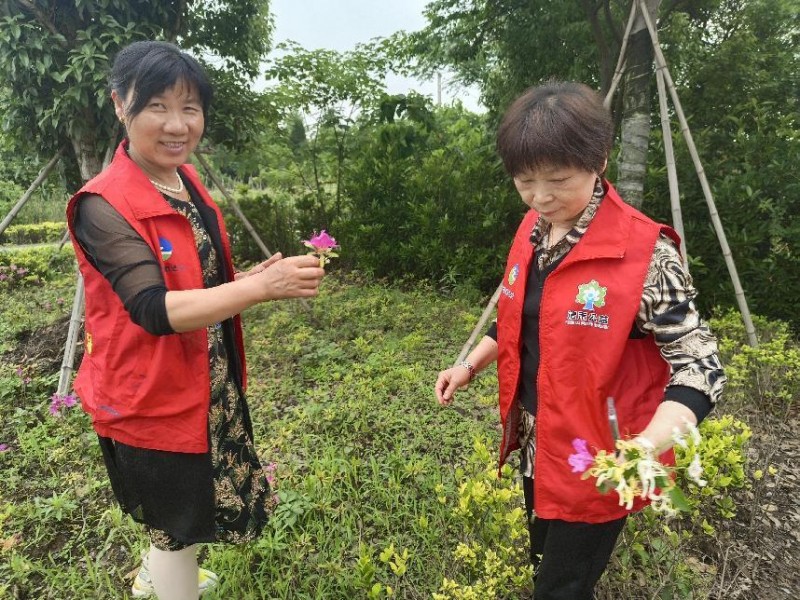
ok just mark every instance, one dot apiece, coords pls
pixel 163 374
pixel 595 303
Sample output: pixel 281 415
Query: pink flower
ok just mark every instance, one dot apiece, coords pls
pixel 582 459
pixel 4 447
pixel 323 245
pixel 58 401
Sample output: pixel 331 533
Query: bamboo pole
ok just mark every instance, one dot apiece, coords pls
pixel 672 171
pixel 234 205
pixel 64 377
pixel 479 327
pixel 619 70
pixel 29 192
pixel 661 64
pixel 237 209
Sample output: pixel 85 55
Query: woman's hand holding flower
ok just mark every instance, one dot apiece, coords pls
pixel 258 268
pixel 292 277
pixel 634 470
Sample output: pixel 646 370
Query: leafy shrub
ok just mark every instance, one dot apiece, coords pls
pixel 42 264
pixel 491 557
pixel 767 376
pixel 273 217
pixel 428 200
pixel 722 454
pixel 34 233
pixel 13 276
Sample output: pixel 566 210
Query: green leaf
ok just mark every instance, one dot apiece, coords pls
pixel 679 500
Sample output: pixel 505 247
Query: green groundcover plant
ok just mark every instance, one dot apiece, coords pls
pixel 382 493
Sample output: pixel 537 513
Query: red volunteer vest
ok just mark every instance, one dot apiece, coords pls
pixel 589 304
pixel 140 389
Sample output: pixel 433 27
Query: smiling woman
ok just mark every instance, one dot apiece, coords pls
pixel 163 376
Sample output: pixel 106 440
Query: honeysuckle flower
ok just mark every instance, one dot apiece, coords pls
pixel 582 458
pixel 693 431
pixel 678 438
pixel 634 471
pixel 695 471
pixel 322 245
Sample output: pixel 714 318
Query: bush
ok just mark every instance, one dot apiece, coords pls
pixel 428 200
pixel 46 264
pixel 765 377
pixel 35 233
pixel 274 218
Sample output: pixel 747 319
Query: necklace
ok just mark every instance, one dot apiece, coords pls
pixel 166 188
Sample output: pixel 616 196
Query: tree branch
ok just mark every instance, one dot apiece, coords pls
pixel 42 19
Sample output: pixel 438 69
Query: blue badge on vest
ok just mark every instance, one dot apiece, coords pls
pixel 166 248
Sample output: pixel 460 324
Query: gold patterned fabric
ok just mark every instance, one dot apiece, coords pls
pixel 242 492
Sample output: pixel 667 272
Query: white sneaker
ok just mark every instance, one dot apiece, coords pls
pixel 143 584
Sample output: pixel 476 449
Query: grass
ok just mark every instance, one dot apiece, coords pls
pixel 383 493
pixel 342 402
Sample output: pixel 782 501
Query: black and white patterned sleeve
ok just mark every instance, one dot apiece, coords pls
pixel 668 312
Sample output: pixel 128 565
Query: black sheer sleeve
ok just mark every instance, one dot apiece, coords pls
pixel 125 260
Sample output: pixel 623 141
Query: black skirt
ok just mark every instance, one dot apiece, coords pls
pixel 169 491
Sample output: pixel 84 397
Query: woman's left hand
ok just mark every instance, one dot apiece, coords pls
pixel 449 381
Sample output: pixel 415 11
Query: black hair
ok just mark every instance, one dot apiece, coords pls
pixel 151 67
pixel 559 123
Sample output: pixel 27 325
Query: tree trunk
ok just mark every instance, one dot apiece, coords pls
pixel 635 127
pixel 89 160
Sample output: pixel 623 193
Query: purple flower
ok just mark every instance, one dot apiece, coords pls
pixel 20 372
pixel 55 405
pixel 4 447
pixel 58 401
pixel 582 459
pixel 322 242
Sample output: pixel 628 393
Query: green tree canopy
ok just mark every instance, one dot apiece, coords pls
pixel 55 54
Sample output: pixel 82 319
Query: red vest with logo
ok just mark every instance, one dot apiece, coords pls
pixel 588 308
pixel 140 389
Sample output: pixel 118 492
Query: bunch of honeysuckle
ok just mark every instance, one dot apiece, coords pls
pixel 635 471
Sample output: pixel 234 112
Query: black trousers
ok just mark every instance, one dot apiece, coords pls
pixel 568 558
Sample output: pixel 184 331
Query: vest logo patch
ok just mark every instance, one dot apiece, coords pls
pixel 590 296
pixel 166 248
pixel 513 274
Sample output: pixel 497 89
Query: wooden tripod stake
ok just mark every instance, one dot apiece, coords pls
pixel 663 80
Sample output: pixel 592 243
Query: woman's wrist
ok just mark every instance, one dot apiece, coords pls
pixel 645 443
pixel 469 367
